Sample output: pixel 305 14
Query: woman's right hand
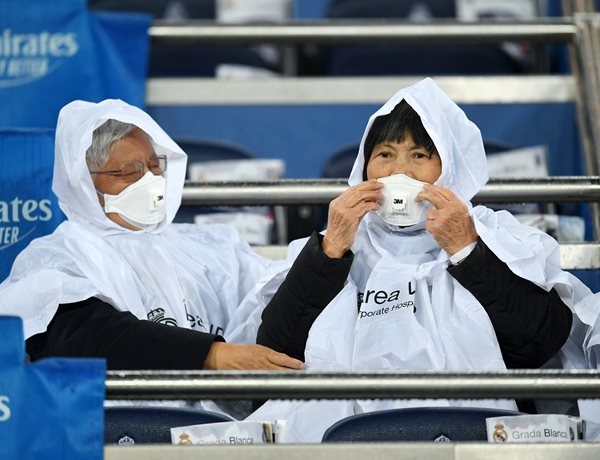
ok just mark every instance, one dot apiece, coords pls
pixel 346 212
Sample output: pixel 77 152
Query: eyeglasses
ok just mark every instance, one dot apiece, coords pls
pixel 134 171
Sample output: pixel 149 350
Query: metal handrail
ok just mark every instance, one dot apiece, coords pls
pixel 322 191
pixel 539 384
pixel 362 32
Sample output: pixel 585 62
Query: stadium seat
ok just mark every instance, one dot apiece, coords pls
pixel 411 60
pixel 391 8
pixel 212 150
pixel 339 163
pixel 415 424
pixel 256 225
pixel 496 146
pixel 201 150
pixel 137 425
pixel 199 61
pixel 419 60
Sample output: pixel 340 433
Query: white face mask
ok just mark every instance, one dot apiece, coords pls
pixel 142 203
pixel 398 206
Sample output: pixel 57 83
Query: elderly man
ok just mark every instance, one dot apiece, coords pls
pixel 114 279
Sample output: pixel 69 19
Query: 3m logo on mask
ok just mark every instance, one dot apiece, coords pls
pixel 26 57
pixel 16 217
pixel 399 205
pixel 157 202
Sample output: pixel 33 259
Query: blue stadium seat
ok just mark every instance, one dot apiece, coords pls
pixel 419 60
pixel 388 8
pixel 199 61
pixel 139 425
pixel 199 150
pixel 339 164
pixel 415 424
pixel 411 60
pixel 496 146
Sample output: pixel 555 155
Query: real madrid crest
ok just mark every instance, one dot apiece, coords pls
pixel 184 439
pixel 500 434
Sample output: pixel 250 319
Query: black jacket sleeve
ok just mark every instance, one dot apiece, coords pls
pixel 312 282
pixel 93 328
pixel 531 324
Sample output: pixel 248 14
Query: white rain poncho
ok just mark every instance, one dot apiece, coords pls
pixel 397 270
pixel 178 274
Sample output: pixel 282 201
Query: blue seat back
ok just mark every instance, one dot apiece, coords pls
pixel 415 424
pixel 199 61
pixel 419 60
pixel 339 164
pixel 389 8
pixel 142 425
pixel 411 60
pixel 199 150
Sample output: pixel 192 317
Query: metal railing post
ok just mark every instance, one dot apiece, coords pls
pixel 584 69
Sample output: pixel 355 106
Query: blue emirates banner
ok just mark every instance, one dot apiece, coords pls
pixel 54 51
pixel 52 409
pixel 28 208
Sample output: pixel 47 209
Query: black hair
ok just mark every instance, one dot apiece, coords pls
pixel 393 127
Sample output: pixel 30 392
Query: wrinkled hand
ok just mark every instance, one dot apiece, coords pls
pixel 346 212
pixel 238 356
pixel 449 222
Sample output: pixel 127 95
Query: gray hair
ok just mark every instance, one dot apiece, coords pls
pixel 103 138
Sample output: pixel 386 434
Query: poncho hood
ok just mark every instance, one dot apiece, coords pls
pixel 456 138
pixel 72 182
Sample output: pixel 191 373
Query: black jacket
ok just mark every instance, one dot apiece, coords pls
pixel 93 328
pixel 531 324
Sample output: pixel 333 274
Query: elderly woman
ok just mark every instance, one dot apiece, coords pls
pixel 408 274
pixel 117 275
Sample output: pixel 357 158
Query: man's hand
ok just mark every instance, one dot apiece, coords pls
pixel 449 223
pixel 238 356
pixel 346 212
